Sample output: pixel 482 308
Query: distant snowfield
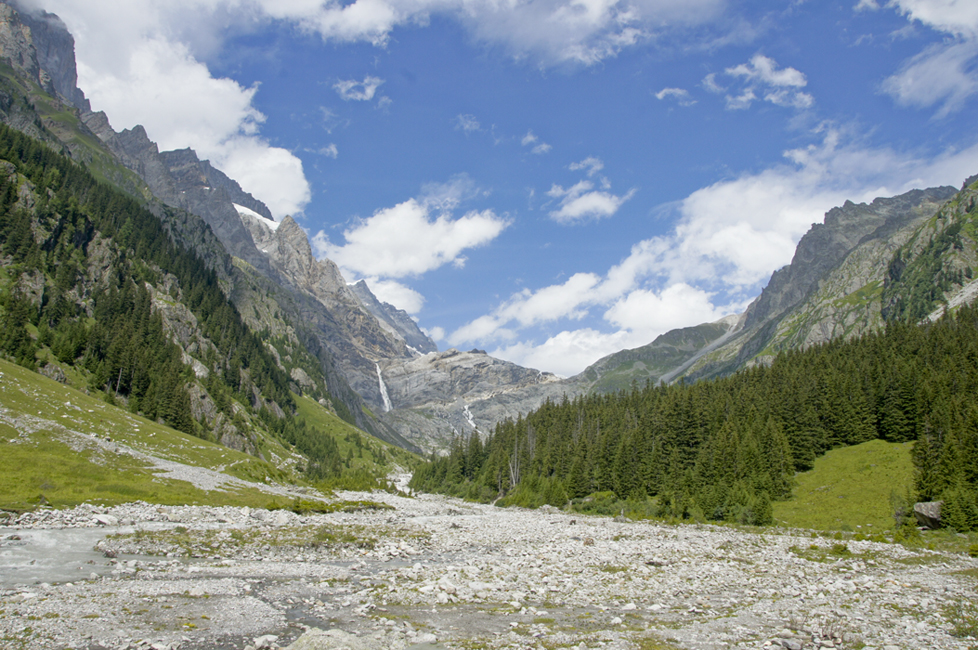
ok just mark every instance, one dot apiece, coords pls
pixel 247 212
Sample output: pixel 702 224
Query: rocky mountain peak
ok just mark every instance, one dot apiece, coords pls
pixel 395 320
pixel 55 55
pixel 827 244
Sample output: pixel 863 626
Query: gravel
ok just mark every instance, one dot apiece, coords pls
pixel 438 571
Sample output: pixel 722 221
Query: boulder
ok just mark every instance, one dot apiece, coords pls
pixel 928 513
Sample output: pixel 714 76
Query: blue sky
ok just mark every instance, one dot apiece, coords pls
pixel 551 180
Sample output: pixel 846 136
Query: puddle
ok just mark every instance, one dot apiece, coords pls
pixel 52 555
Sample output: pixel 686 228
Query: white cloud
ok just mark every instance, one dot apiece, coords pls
pixel 396 293
pixel 442 197
pixel 729 238
pixel 272 174
pixel 765 70
pixel 406 240
pixel 942 74
pixel 710 83
pixel 681 95
pixel 467 123
pixel 648 313
pixel 866 5
pixel 959 17
pixel 140 60
pixel 761 78
pixel 581 202
pixel 568 352
pixel 133 65
pixel 436 333
pixel 359 91
pixel 330 151
pixel 591 165
pixel 538 146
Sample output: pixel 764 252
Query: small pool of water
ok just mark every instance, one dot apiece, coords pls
pixel 35 555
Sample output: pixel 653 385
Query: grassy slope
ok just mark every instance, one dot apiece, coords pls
pixel 39 456
pixel 346 436
pixel 851 487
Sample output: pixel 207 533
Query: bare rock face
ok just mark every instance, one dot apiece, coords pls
pixel 397 321
pixel 55 54
pixel 832 286
pixel 826 245
pixel 442 394
pixel 928 513
pixel 17 46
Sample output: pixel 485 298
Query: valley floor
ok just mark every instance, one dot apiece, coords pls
pixel 434 571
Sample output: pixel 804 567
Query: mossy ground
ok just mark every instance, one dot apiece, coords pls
pixel 42 462
pixel 850 488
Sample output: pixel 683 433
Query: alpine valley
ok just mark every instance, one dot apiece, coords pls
pixel 73 282
pixel 275 450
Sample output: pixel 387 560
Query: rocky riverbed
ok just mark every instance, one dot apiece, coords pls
pixel 399 572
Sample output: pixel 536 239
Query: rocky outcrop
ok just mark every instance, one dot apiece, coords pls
pixel 55 54
pixel 443 394
pixel 394 320
pixel 833 285
pixel 928 513
pixel 826 245
pixel 181 179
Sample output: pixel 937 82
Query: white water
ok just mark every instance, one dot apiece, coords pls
pixel 383 391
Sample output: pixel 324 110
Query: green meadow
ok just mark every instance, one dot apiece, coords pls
pixel 44 462
pixel 850 488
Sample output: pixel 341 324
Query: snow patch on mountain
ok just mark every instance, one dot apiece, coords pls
pixel 247 212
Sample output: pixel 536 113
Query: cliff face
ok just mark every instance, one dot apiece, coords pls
pixel 394 320
pixel 833 286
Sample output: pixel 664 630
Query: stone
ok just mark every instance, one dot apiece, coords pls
pixel 265 642
pixel 928 513
pixel 106 520
pixel 790 644
pixel 316 639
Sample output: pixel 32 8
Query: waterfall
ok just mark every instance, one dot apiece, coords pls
pixel 383 391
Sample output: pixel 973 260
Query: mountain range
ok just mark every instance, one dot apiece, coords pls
pixel 369 362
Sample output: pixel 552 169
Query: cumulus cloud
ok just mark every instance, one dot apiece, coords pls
pixel 729 238
pixel 408 240
pixel 133 64
pixel 761 78
pixel 581 202
pixel 397 294
pixel 140 60
pixel 566 353
pixel 358 91
pixel 959 17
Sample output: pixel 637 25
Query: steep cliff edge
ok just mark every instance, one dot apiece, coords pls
pixel 833 286
pixel 396 321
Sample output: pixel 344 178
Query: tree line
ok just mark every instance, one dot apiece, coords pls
pixel 77 257
pixel 725 449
